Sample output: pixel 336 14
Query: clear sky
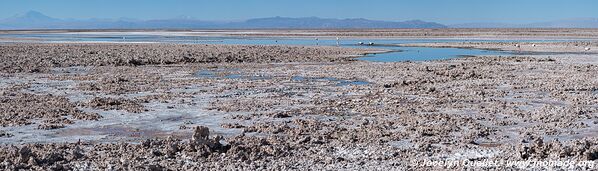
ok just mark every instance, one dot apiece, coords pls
pixel 442 11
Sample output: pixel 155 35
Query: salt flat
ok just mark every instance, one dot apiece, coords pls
pixel 281 107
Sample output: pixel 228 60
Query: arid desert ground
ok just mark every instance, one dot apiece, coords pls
pixel 161 106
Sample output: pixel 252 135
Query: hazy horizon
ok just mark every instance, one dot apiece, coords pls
pixel 444 12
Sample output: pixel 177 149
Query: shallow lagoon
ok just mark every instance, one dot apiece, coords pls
pixel 398 54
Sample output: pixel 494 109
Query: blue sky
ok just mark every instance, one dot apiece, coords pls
pixel 442 11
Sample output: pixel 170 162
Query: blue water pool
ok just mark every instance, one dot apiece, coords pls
pixel 399 53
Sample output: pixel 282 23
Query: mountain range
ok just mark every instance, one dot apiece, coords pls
pixel 37 20
pixel 567 23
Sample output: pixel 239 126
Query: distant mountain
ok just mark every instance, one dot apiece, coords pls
pixel 36 20
pixel 484 25
pixel 314 22
pixel 568 23
pixel 31 19
pixel 31 16
pixel 178 23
